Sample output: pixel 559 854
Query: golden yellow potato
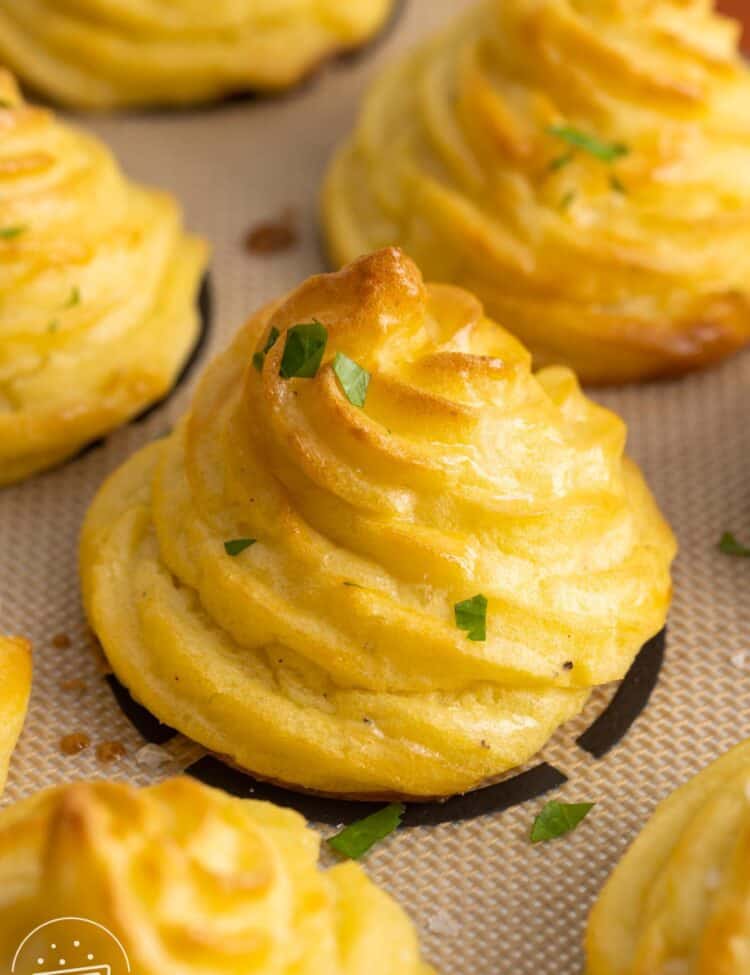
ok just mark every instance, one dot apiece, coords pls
pixel 582 167
pixel 15 689
pixel 98 284
pixel 326 655
pixel 679 901
pixel 115 53
pixel 193 881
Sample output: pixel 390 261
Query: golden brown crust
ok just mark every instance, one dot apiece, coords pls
pixel 103 54
pixel 327 655
pixel 626 261
pixel 191 880
pixel 98 285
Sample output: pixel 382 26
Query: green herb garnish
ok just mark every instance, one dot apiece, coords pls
pixel 353 378
pixel 303 351
pixel 567 199
pixel 559 818
pixel 559 161
pixel 471 615
pixel 356 840
pixel 730 546
pixel 617 185
pixel 8 233
pixel 237 545
pixel 606 151
pixel 74 298
pixel 53 326
pixel 260 357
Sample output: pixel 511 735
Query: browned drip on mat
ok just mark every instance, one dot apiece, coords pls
pixel 273 236
pixel 110 751
pixel 74 743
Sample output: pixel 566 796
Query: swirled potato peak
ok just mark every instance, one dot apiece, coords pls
pixel 581 165
pixel 98 283
pixel 15 689
pixel 679 901
pixel 192 881
pixel 288 577
pixel 116 53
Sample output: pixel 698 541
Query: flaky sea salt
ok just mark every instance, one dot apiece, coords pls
pixel 152 757
pixel 713 879
pixel 443 925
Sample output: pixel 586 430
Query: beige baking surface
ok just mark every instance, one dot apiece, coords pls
pixel 485 900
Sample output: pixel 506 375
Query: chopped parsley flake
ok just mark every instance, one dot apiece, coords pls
pixel 8 233
pixel 74 298
pixel 356 840
pixel 237 545
pixel 559 161
pixel 303 350
pixel 606 151
pixel 471 615
pixel 730 546
pixel 353 378
pixel 559 818
pixel 260 357
pixel 567 199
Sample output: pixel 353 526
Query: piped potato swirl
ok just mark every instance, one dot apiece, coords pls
pixel 103 54
pixel 326 655
pixel 581 166
pixel 15 690
pixel 98 285
pixel 679 901
pixel 191 881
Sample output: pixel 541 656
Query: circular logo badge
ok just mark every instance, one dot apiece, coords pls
pixel 70 946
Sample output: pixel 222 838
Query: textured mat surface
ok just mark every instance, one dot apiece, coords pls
pixel 485 900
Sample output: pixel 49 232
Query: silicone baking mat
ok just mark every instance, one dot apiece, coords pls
pixel 485 900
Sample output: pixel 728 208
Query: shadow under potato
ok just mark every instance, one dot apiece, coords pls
pixel 609 728
pixel 205 309
pixel 344 56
